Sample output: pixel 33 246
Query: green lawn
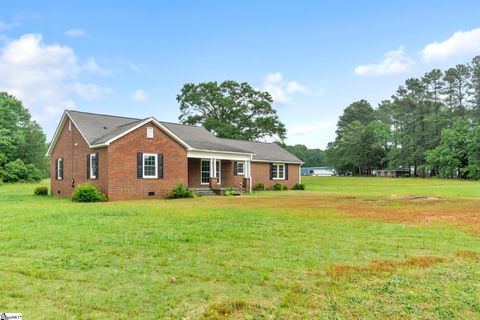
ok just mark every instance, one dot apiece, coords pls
pixel 343 249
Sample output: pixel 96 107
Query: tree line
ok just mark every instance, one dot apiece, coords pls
pixel 22 143
pixel 430 126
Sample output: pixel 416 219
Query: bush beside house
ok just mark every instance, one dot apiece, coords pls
pixel 88 193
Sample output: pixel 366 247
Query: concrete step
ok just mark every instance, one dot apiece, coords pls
pixel 205 192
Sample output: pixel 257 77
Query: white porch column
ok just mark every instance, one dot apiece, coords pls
pixel 248 173
pixel 213 168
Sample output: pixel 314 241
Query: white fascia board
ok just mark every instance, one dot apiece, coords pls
pixel 279 161
pixel 208 154
pixel 56 134
pixel 151 119
pixel 63 119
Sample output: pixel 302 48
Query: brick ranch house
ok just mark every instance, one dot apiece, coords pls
pixel 128 158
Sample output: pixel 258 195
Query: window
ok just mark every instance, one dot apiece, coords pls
pixel 60 169
pixel 93 166
pixel 205 171
pixel 69 125
pixel 149 165
pixel 218 171
pixel 240 168
pixel 278 171
pixel 150 132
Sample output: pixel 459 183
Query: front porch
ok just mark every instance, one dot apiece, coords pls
pixel 218 174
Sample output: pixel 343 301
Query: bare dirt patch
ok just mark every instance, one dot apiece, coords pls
pixel 407 209
pixel 377 266
pixel 415 198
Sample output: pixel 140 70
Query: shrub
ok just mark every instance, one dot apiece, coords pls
pixel 41 191
pixel 284 187
pixel 180 191
pixel 228 192
pixel 277 186
pixel 299 186
pixel 259 187
pixel 17 170
pixel 88 193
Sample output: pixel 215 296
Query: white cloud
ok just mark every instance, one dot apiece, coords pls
pixel 139 96
pixel 92 67
pixel 90 91
pixel 43 76
pixel 75 33
pixel 280 89
pixel 393 62
pixel 462 43
pixel 294 86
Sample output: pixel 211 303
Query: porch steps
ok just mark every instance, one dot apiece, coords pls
pixel 204 192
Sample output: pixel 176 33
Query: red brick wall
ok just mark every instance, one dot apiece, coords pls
pixel 194 174
pixel 74 150
pixel 261 173
pixel 123 181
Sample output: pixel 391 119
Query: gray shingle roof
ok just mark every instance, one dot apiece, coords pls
pixel 201 138
pixel 264 151
pixel 99 128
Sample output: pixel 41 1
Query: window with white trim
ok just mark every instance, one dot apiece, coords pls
pixel 150 165
pixel 150 132
pixel 60 169
pixel 240 168
pixel 278 171
pixel 205 171
pixel 93 166
pixel 69 125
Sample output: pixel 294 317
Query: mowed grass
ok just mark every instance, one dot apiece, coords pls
pixel 347 248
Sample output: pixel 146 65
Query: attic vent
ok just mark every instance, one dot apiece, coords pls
pixel 150 132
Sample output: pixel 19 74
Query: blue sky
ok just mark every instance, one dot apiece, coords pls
pixel 132 58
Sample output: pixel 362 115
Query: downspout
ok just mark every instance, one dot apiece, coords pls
pixel 250 172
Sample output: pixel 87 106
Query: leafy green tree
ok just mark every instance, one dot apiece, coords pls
pixel 360 111
pixel 475 87
pixel 20 137
pixel 230 110
pixel 457 90
pixel 17 171
pixel 451 155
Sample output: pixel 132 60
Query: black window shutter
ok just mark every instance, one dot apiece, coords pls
pixel 96 165
pixel 235 170
pixel 61 168
pixel 160 166
pixel 88 166
pixel 56 169
pixel 139 165
pixel 286 171
pixel 271 171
